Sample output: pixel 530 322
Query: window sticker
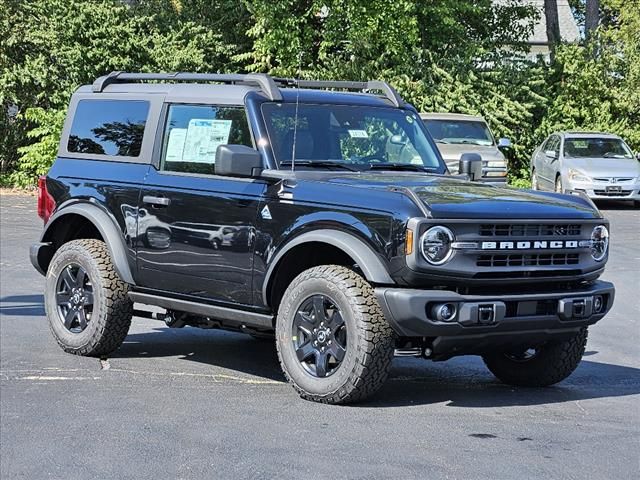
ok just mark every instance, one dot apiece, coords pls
pixel 175 145
pixel 358 134
pixel 202 139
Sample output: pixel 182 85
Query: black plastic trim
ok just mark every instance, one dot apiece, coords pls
pixel 108 230
pixel 368 261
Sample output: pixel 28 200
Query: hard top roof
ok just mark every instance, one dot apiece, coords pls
pixel 232 88
pixel 451 116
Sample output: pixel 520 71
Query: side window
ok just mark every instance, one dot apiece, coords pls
pixel 193 132
pixel 108 127
pixel 552 143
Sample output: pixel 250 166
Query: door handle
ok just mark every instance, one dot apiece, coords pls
pixel 156 201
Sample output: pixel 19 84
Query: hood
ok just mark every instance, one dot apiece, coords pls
pixel 450 197
pixel 452 151
pixel 604 167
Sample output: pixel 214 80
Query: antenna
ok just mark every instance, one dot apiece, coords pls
pixel 295 121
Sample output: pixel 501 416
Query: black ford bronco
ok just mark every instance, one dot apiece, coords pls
pixel 318 213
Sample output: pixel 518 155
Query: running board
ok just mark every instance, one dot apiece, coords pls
pixel 230 316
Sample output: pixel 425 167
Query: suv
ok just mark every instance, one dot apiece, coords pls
pixel 343 234
pixel 456 134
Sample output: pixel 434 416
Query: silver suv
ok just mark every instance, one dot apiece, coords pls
pixel 601 165
pixel 456 133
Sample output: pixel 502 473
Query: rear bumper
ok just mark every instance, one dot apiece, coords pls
pixel 493 320
pixel 40 254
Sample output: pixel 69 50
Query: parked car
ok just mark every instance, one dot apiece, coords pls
pixel 456 134
pixel 341 246
pixel 600 165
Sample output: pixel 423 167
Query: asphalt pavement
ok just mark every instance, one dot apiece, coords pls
pixel 189 403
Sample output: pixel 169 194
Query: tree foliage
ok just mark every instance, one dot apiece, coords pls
pixel 446 55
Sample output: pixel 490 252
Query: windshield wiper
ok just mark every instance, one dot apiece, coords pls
pixel 319 164
pixel 440 140
pixel 401 166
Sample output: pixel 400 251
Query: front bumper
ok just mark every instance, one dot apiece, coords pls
pixel 489 321
pixel 606 191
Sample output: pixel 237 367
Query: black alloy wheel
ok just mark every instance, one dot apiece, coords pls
pixel 319 336
pixel 74 298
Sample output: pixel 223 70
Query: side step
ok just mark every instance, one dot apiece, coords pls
pixel 228 316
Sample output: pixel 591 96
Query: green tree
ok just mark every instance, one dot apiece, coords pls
pixel 50 47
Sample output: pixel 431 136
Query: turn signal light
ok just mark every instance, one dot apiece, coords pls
pixel 408 242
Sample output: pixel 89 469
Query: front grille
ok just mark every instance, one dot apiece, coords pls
pixel 529 230
pixel 534 260
pixel 619 193
pixel 615 179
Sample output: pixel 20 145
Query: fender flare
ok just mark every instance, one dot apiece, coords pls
pixel 108 230
pixel 369 262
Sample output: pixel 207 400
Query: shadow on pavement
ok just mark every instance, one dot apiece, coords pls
pixel 615 205
pixel 22 305
pixel 461 382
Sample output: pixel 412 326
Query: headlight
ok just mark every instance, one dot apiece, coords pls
pixel 577 176
pixel 599 242
pixel 435 245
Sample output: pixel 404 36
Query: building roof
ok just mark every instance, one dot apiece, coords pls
pixel 569 31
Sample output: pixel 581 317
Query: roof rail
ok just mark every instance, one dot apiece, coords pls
pixel 268 85
pixel 265 82
pixel 389 92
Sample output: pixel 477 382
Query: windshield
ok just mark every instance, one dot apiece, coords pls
pixel 354 137
pixel 460 131
pixel 596 148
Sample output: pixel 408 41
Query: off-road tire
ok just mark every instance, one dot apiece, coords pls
pixel 370 340
pixel 552 363
pixel 112 308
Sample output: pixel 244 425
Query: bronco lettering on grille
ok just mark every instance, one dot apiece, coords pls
pixel 530 245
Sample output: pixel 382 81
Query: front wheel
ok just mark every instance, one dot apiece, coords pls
pixel 334 344
pixel 540 366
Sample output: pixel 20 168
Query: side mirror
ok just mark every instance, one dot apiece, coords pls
pixel 504 143
pixel 471 165
pixel 396 140
pixel 638 156
pixel 550 154
pixel 238 161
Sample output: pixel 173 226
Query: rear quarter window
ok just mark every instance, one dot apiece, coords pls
pixel 108 127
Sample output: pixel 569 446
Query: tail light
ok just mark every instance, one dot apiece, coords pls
pixel 46 203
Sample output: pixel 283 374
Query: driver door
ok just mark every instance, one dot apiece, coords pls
pixel 197 233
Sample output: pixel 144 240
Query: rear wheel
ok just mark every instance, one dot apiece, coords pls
pixel 540 366
pixel 87 303
pixel 334 344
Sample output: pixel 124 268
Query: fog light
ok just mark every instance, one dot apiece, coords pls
pixel 598 304
pixel 445 312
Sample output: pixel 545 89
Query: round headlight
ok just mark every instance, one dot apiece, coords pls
pixel 599 242
pixel 435 245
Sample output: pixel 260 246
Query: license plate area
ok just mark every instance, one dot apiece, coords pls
pixel 613 188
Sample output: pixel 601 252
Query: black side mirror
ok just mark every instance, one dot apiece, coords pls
pixel 638 156
pixel 238 161
pixel 471 165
